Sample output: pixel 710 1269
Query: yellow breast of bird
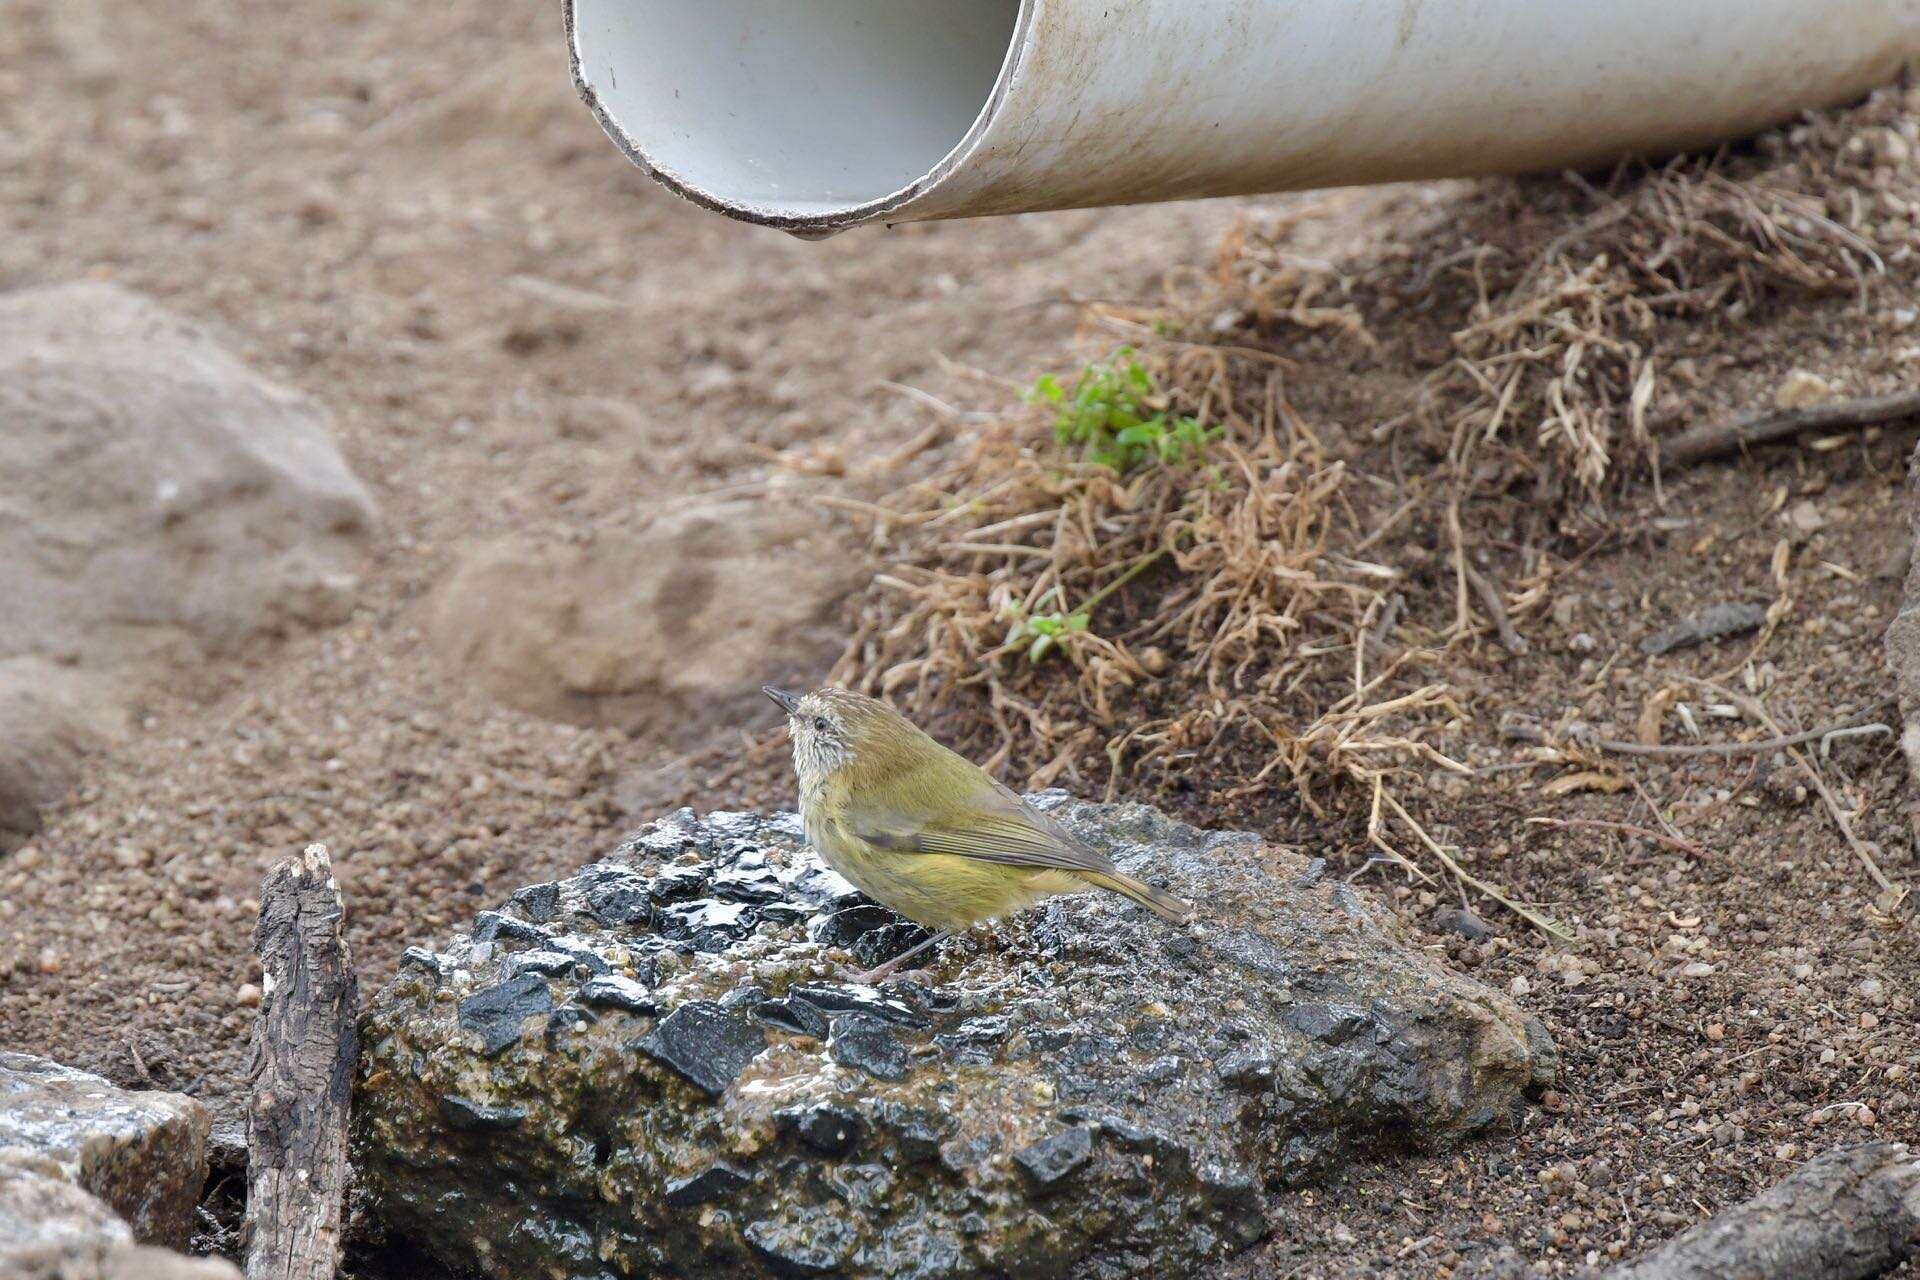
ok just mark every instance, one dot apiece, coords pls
pixel 937 890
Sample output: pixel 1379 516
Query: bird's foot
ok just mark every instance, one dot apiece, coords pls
pixel 876 975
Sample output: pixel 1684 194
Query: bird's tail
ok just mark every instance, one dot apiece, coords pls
pixel 1164 905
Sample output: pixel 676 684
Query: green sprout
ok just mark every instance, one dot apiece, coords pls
pixel 1119 419
pixel 1040 633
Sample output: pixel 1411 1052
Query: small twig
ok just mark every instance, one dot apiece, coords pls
pixel 1545 924
pixel 1687 847
pixel 1851 724
pixel 1758 710
pixel 1766 428
pixel 1496 608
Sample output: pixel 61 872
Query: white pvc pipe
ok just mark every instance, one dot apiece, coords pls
pixel 814 115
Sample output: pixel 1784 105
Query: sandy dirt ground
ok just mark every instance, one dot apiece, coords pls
pixel 401 210
pixel 388 209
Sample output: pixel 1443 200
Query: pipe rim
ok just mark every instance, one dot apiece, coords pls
pixel 805 224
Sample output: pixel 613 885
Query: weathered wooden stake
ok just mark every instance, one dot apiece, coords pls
pixel 1845 1215
pixel 305 1044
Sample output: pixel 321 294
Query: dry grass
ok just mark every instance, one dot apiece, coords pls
pixel 1283 611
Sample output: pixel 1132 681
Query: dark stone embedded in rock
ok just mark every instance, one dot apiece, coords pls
pixel 869 1045
pixel 817 1244
pixel 617 992
pixel 916 1131
pixel 875 947
pixel 759 885
pixel 795 1015
pixel 1022 1085
pixel 862 1000
pixel 708 925
pixel 705 1045
pixel 499 1013
pixel 546 962
pixel 477 1117
pixel 619 901
pixel 489 926
pixel 848 925
pixel 831 1130
pixel 977 1041
pixel 1052 1161
pixel 428 961
pixel 1250 1069
pixel 716 1182
pixel 539 902
pixel 674 883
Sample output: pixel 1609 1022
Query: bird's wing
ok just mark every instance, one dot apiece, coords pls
pixel 999 827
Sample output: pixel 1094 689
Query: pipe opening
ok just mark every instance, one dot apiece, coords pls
pixel 793 108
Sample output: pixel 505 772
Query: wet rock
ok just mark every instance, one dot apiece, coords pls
pixel 619 902
pixel 1092 1092
pixel 861 1000
pixel 144 1155
pixel 1049 1163
pixel 817 1244
pixel 539 902
pixel 477 1117
pixel 706 1045
pixel 869 1045
pixel 42 1213
pixel 829 1129
pixel 709 1185
pixel 500 1013
pixel 878 946
pixel 617 992
pixel 795 1015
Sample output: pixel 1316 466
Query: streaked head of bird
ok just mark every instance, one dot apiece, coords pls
pixel 825 728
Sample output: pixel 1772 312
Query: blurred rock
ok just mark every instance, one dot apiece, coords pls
pixel 1088 1092
pixel 680 623
pixel 43 1215
pixel 52 1230
pixel 144 1155
pixel 1903 635
pixel 159 502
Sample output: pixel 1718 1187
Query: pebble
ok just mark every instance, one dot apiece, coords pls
pixel 1050 1162
pixel 499 1013
pixel 831 1130
pixel 248 996
pixel 705 1045
pixel 868 1044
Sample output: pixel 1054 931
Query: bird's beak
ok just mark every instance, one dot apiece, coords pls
pixel 789 702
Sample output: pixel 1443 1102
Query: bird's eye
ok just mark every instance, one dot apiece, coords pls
pixel 820 723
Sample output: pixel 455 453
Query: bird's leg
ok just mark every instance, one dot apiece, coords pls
pixel 886 970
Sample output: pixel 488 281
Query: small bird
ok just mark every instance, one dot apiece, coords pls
pixel 927 832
